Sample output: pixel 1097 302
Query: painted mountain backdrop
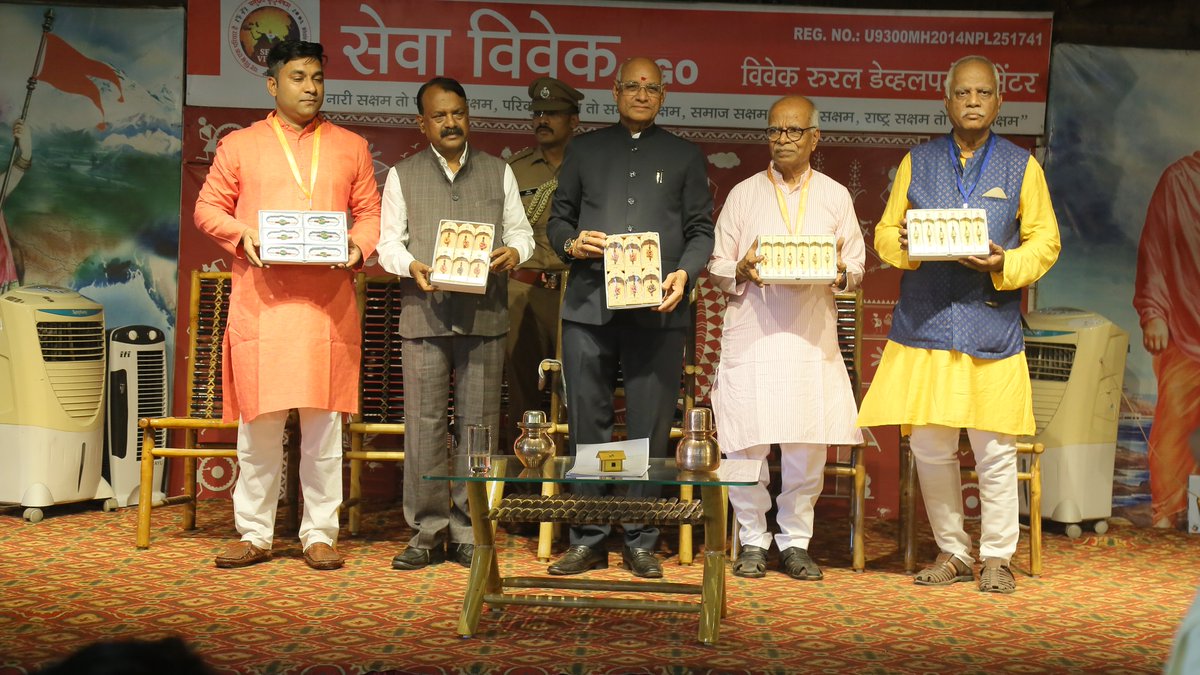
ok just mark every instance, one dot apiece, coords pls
pixel 98 211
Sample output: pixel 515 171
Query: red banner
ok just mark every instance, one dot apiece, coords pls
pixel 869 70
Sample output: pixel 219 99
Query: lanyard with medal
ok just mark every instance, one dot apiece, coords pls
pixel 960 170
pixel 291 158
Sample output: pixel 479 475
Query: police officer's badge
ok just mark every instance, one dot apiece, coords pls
pixel 545 92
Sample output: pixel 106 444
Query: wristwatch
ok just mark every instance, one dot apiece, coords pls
pixel 568 246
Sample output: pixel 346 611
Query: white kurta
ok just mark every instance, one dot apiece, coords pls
pixel 781 378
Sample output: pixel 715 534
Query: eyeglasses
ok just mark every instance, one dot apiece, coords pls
pixel 538 114
pixel 653 90
pixel 788 133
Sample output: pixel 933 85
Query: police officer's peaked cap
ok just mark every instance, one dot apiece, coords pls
pixel 547 94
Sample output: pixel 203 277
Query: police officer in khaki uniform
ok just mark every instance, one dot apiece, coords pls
pixel 533 289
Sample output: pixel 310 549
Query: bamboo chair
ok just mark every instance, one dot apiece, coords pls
pixel 1029 473
pixel 690 370
pixel 381 402
pixel 551 375
pixel 207 314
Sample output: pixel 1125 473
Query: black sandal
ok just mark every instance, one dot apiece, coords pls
pixel 751 563
pixel 796 563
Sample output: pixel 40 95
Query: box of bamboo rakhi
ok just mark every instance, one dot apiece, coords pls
pixel 633 270
pixel 303 237
pixel 797 258
pixel 462 256
pixel 947 234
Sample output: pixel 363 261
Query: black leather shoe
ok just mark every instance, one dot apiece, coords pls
pixel 413 558
pixel 462 553
pixel 641 562
pixel 579 559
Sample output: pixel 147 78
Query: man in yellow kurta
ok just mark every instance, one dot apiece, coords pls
pixel 955 355
pixel 293 335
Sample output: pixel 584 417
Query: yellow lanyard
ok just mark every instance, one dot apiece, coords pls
pixel 799 227
pixel 291 158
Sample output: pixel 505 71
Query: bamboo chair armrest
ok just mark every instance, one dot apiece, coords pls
pixel 184 423
pixel 394 428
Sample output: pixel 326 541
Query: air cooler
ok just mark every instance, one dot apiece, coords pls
pixel 1077 367
pixel 137 387
pixel 51 399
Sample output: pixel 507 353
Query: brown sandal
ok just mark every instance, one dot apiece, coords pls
pixel 996 577
pixel 945 570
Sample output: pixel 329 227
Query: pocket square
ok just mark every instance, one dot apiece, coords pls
pixel 996 193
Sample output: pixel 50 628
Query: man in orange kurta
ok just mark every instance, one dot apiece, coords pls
pixel 293 336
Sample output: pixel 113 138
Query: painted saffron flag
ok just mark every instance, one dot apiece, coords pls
pixel 66 69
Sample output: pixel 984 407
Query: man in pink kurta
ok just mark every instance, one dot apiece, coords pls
pixel 781 379
pixel 1167 299
pixel 293 334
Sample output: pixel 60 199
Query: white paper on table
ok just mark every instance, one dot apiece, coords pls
pixel 635 465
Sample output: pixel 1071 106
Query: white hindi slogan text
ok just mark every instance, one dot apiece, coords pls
pixel 497 45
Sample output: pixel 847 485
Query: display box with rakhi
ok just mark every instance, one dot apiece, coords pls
pixel 797 258
pixel 947 234
pixel 462 256
pixel 303 237
pixel 633 270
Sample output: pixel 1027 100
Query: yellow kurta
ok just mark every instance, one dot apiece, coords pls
pixel 293 338
pixel 916 386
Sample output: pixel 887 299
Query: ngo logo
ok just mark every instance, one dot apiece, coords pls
pixel 257 25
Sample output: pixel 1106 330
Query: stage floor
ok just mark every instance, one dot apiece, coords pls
pixel 1106 603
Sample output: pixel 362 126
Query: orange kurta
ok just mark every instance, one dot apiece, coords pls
pixel 293 338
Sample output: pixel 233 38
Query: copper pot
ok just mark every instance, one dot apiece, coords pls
pixel 698 449
pixel 534 446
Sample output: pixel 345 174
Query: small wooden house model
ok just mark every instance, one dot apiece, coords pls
pixel 611 460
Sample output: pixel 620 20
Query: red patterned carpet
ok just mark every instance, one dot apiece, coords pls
pixel 1106 604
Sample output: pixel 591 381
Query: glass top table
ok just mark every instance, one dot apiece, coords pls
pixel 485 585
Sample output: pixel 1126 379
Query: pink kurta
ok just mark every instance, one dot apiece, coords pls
pixel 293 338
pixel 781 378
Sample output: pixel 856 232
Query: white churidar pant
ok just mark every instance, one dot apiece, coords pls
pixel 260 464
pixel 802 475
pixel 935 449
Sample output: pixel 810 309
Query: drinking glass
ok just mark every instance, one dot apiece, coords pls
pixel 479 448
